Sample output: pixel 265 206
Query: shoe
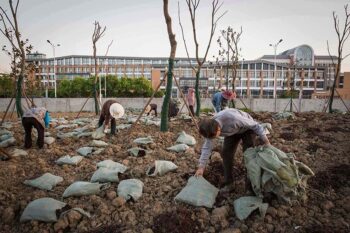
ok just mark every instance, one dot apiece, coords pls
pixel 227 188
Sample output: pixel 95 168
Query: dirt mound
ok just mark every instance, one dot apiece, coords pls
pixel 178 221
pixel 334 177
pixel 319 140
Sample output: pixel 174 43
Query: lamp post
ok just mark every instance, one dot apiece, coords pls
pixel 274 73
pixel 241 78
pixel 54 64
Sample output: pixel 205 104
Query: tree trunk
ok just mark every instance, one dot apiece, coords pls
pixel 165 107
pixel 19 96
pixel 334 86
pixel 169 84
pixel 97 109
pixel 198 98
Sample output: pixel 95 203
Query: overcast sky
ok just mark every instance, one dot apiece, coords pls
pixel 138 28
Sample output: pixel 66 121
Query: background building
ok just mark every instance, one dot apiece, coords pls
pixel 297 68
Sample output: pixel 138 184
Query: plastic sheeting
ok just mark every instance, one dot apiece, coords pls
pixel 244 206
pixel 271 170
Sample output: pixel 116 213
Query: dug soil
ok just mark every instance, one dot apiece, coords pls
pixel 320 140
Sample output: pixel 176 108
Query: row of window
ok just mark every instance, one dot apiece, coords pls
pixel 110 61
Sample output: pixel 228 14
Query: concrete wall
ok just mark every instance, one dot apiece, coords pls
pixel 75 104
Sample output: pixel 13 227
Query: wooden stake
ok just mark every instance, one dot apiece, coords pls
pixel 83 107
pixel 148 102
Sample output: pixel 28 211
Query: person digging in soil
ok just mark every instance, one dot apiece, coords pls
pixel 38 118
pixel 150 108
pixel 111 110
pixel 234 125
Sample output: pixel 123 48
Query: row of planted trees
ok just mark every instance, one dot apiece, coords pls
pixel 83 87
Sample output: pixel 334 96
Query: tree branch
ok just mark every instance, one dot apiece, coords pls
pixel 183 37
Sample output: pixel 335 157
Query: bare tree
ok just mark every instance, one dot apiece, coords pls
pixel 192 7
pixel 231 51
pixel 173 44
pixel 10 29
pixel 343 35
pixel 98 33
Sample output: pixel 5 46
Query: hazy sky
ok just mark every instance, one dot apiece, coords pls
pixel 138 27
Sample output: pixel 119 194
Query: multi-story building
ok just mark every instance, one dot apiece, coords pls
pixel 297 68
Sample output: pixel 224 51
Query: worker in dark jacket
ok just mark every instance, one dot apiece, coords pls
pixel 173 108
pixel 150 108
pixel 38 118
pixel 111 110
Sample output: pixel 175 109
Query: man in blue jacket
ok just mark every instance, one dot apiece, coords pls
pixel 220 99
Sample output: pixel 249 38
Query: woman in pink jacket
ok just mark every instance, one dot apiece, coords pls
pixel 191 100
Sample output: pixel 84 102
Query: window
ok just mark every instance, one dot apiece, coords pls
pixel 77 61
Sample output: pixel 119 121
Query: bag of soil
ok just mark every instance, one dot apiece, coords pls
pixel 98 151
pixel 66 135
pixel 110 164
pixel 137 152
pixel 45 182
pixel 4 132
pixel 69 160
pixel 85 151
pixel 130 189
pixel 146 140
pixel 66 126
pixel 49 140
pixel 105 175
pixel 5 137
pixel 98 143
pixel 43 209
pixel 284 115
pixel 84 134
pixel 98 134
pixel 244 206
pixel 186 139
pixel 8 142
pixel 18 152
pixel 161 167
pixel 198 192
pixel 123 126
pixel 81 188
pixel 178 148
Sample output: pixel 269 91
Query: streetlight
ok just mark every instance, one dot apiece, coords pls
pixel 241 78
pixel 274 73
pixel 54 64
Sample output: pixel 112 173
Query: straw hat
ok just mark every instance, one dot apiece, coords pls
pixel 229 95
pixel 116 110
pixel 148 109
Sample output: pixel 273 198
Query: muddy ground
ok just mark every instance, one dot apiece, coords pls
pixel 320 140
